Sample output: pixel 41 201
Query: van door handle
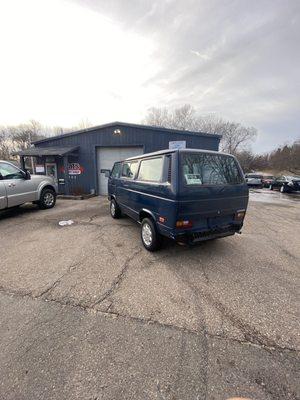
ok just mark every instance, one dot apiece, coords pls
pixel 11 184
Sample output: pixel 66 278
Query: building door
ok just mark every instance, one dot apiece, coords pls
pixel 106 157
pixel 51 170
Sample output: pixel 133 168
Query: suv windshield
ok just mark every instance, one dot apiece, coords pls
pixel 209 169
pixel 9 171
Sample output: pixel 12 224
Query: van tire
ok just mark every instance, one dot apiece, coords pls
pixel 151 239
pixel 283 189
pixel 114 209
pixel 47 199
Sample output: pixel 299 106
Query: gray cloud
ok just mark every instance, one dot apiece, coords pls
pixel 235 58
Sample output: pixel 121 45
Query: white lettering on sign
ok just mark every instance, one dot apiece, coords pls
pixel 74 169
pixel 177 144
pixel 39 169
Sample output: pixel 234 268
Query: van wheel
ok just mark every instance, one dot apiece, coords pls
pixel 283 189
pixel 47 199
pixel 151 239
pixel 115 211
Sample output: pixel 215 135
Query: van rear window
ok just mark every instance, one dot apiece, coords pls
pixel 209 169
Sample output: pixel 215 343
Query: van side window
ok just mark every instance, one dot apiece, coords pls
pixel 116 171
pixel 151 170
pixel 169 168
pixel 129 169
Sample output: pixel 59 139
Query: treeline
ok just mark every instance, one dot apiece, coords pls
pixel 20 137
pixel 236 139
pixel 235 136
pixel 284 158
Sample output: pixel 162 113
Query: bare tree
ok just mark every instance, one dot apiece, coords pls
pixel 253 162
pixel 286 158
pixel 158 117
pixel 234 136
pixel 83 124
pixel 20 137
pixel 295 157
pixel 23 135
pixel 5 146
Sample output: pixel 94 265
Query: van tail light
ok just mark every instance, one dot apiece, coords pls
pixel 184 224
pixel 240 215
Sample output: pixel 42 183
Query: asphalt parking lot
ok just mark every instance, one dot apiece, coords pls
pixel 87 313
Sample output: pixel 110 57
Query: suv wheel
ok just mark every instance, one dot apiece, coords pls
pixel 47 199
pixel 115 211
pixel 151 239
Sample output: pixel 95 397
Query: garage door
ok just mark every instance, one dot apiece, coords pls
pixel 107 156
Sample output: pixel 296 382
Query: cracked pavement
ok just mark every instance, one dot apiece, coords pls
pixel 87 313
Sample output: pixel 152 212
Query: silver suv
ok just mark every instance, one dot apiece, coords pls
pixel 18 187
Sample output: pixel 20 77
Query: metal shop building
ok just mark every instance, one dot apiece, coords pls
pixel 80 160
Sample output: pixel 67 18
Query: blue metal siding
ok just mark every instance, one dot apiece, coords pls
pixel 151 140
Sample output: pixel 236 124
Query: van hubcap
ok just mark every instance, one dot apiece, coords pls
pixel 147 234
pixel 112 208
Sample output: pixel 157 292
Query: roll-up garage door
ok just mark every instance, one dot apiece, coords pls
pixel 107 156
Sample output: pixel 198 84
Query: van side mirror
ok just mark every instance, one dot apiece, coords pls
pixel 1 177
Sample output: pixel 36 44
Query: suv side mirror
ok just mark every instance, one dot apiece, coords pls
pixel 26 174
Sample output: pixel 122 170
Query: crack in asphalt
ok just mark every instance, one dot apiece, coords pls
pixel 117 280
pixel 57 281
pixel 251 334
pixel 150 321
pixel 274 388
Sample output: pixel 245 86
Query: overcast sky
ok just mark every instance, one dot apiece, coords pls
pixel 63 61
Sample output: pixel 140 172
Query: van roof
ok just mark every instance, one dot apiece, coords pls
pixel 168 151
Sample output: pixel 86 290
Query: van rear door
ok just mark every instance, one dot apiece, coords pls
pixel 212 189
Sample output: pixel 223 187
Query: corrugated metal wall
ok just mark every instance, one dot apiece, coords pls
pixel 151 140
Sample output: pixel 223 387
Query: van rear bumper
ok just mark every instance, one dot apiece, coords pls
pixel 195 237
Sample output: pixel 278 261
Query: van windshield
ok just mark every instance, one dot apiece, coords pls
pixel 209 169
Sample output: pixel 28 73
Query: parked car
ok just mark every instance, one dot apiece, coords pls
pixel 286 184
pixel 18 187
pixel 267 180
pixel 254 180
pixel 187 195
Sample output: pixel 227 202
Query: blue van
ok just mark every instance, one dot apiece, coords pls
pixel 187 195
